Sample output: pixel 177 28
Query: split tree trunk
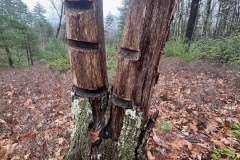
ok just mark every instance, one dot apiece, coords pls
pixel 114 125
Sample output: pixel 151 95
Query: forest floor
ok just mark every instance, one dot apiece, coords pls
pixel 198 104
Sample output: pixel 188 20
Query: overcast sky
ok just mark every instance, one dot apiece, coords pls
pixel 108 5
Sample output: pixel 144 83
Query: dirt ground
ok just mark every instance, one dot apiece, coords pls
pixel 198 102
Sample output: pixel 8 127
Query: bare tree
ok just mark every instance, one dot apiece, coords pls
pixel 59 12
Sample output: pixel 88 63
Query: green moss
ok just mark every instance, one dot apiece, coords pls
pixel 82 117
pixel 130 132
pixel 108 150
pixel 106 102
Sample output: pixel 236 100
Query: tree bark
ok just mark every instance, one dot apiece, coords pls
pixel 205 25
pixel 114 125
pixel 28 50
pixel 9 56
pixel 192 19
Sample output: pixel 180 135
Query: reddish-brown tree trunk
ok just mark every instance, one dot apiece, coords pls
pixel 114 125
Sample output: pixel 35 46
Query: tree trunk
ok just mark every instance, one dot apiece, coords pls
pixel 60 15
pixel 205 25
pixel 192 19
pixel 114 125
pixel 28 50
pixel 9 56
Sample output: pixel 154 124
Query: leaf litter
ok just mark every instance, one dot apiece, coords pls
pixel 199 100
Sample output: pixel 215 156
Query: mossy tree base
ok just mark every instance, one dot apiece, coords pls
pixel 82 118
pixel 88 139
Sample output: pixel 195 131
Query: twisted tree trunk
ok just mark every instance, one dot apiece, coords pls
pixel 114 124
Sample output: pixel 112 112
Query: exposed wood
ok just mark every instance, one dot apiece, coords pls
pixel 86 67
pixel 86 43
pixel 137 71
pixel 135 77
pixel 132 35
pixel 84 26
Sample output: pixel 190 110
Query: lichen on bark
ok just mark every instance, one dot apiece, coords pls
pixel 106 106
pixel 129 135
pixel 82 117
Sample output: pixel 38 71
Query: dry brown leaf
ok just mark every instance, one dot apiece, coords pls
pixel 193 127
pixel 58 154
pixel 226 141
pixel 202 145
pixel 28 137
pixel 26 156
pixel 27 102
pixel 16 157
pixel 217 142
pixel 61 140
pixel 94 136
pixel 190 146
pixel 150 156
pixel 2 121
pixel 178 144
pixel 7 149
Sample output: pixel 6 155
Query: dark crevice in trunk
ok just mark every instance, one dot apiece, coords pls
pixel 114 126
pixel 79 5
pixel 145 134
pixel 122 103
pixel 129 54
pixel 83 45
pixel 89 93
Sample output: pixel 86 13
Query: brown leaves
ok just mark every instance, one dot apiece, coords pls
pixel 35 118
pixel 28 137
pixel 28 101
pixel 94 135
pixel 7 147
pixel 201 103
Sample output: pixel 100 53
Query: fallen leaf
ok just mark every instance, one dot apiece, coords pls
pixel 150 156
pixel 193 127
pixel 94 135
pixel 28 101
pixel 28 137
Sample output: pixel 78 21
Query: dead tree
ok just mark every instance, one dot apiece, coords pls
pixel 114 124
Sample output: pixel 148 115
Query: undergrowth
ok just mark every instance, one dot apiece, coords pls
pixel 225 154
pixel 223 51
pixel 180 50
pixel 111 56
pixel 60 64
pixel 55 55
pixel 236 129
pixel 165 127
